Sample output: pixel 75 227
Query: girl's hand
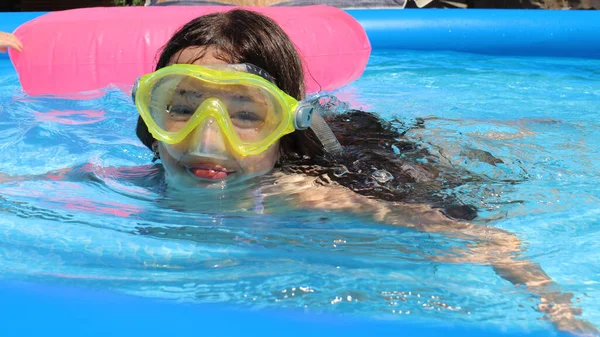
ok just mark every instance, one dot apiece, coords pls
pixel 9 40
pixel 558 310
pixel 575 326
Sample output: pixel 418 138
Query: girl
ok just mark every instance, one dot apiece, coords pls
pixel 225 105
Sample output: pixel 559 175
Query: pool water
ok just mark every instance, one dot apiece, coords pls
pixel 536 116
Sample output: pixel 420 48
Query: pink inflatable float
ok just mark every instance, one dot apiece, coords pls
pixel 86 49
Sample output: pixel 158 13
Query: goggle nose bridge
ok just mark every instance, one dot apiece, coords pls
pixel 210 107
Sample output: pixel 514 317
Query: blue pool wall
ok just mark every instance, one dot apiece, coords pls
pixel 484 31
pixel 30 309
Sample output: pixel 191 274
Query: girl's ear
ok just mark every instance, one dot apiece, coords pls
pixel 279 151
pixel 155 150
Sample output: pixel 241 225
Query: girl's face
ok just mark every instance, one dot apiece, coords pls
pixel 204 158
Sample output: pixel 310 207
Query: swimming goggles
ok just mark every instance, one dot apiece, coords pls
pixel 251 111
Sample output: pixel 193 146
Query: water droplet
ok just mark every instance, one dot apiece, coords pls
pixel 382 176
pixel 340 171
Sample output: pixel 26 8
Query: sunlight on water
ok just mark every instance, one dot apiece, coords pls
pixel 528 123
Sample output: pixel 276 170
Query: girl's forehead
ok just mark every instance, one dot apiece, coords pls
pixel 199 55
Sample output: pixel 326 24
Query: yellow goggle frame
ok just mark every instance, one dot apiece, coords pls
pixel 295 115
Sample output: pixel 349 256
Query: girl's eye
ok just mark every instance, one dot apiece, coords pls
pixel 178 110
pixel 246 116
pixel 246 119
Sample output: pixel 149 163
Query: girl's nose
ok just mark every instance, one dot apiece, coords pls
pixel 207 138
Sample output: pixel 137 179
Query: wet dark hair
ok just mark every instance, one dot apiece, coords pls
pixel 379 162
pixel 370 143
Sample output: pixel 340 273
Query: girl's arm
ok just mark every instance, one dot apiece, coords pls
pixel 51 175
pixel 489 245
pixel 144 175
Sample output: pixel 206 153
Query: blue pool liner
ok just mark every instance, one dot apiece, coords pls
pixel 30 309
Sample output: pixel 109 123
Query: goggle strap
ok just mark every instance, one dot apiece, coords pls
pixel 325 135
pixel 135 89
pixel 256 70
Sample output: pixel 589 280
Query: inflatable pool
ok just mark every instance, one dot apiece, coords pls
pixel 33 309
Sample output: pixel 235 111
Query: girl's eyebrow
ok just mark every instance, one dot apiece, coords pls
pixel 238 97
pixel 245 99
pixel 185 92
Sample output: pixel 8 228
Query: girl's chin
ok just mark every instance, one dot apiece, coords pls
pixel 187 180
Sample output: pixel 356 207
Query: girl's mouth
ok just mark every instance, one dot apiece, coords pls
pixel 209 171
